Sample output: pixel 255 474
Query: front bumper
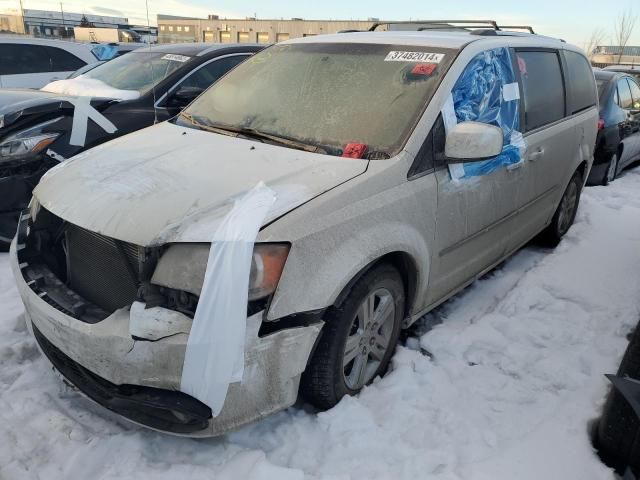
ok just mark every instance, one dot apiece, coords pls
pixel 140 379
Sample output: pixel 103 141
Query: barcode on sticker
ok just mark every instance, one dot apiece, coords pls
pixel 423 57
pixel 175 58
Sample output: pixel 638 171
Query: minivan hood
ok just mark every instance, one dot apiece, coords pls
pixel 168 183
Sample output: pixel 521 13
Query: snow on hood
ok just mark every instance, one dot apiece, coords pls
pixel 89 87
pixel 167 183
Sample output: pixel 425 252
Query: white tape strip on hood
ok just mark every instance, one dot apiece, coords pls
pixel 215 349
pixel 82 112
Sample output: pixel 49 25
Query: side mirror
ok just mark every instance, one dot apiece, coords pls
pixel 183 96
pixel 473 141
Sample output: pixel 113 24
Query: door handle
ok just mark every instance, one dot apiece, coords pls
pixel 538 154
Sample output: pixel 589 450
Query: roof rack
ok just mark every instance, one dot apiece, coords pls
pixel 480 25
pixel 518 27
pixel 437 23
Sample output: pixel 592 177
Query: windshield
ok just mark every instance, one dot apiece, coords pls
pixel 328 95
pixel 139 70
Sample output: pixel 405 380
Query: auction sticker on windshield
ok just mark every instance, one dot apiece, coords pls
pixel 423 57
pixel 176 58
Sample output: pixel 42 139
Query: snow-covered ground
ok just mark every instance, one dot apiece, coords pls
pixel 499 383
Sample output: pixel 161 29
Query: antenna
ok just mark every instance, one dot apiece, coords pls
pixel 153 82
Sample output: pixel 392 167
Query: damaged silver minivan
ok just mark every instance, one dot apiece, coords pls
pixel 275 237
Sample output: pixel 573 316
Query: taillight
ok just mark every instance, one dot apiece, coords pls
pixel 600 124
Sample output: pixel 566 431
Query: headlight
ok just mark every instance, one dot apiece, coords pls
pixel 183 265
pixel 27 142
pixel 266 268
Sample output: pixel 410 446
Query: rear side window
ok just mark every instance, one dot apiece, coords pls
pixel 581 85
pixel 624 94
pixel 16 59
pixel 63 61
pixel 635 94
pixel 210 73
pixel 543 87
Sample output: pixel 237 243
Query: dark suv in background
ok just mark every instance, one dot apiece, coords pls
pixel 131 92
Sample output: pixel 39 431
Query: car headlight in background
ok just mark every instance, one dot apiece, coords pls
pixel 28 142
pixel 182 268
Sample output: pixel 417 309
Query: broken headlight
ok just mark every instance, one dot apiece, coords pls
pixel 27 143
pixel 182 269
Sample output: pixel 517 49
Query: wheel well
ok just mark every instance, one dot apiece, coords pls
pixel 620 150
pixel 405 265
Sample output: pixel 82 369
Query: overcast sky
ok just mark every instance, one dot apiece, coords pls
pixel 573 20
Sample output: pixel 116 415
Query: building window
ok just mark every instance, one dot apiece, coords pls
pixel 263 37
pixel 186 29
pixel 170 28
pixel 281 37
pixel 179 28
pixel 225 37
pixel 162 28
pixel 243 37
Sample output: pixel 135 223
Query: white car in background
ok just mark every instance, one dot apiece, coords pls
pixel 34 62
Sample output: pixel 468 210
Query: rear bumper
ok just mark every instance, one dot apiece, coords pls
pixel 140 379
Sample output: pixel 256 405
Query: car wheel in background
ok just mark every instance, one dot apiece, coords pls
pixel 565 213
pixel 358 338
pixel 612 170
pixel 619 426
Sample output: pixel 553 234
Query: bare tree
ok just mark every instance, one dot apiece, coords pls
pixel 623 29
pixel 597 38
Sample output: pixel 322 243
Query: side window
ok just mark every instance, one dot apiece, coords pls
pixel 16 59
pixel 543 87
pixel 63 61
pixel 211 72
pixel 432 149
pixel 635 94
pixel 624 93
pixel 581 86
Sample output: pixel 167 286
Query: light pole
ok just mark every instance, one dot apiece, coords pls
pixel 64 26
pixel 24 23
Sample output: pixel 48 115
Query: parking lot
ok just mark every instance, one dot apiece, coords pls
pixel 501 381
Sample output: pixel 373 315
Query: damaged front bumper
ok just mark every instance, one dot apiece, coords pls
pixel 139 379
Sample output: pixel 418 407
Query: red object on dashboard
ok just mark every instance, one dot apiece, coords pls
pixel 424 69
pixel 354 150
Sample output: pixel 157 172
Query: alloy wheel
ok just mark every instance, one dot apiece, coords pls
pixel 369 338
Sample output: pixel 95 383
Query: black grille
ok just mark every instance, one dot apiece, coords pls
pixel 102 270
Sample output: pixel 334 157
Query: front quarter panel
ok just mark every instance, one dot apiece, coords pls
pixel 337 235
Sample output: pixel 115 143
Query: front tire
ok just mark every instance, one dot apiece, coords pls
pixel 565 214
pixel 358 338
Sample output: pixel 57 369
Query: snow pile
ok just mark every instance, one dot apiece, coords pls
pixel 89 87
pixel 499 383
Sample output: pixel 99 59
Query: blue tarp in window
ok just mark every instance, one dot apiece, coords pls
pixel 105 52
pixel 487 92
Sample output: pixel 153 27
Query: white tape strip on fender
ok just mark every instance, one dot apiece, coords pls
pixel 215 349
pixel 82 112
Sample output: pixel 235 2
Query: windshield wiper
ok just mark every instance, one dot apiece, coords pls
pixel 206 127
pixel 234 131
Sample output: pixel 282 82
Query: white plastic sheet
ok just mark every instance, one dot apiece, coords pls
pixel 215 350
